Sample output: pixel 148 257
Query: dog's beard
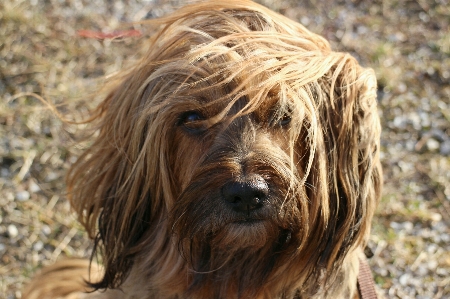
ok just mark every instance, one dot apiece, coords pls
pixel 237 249
pixel 246 235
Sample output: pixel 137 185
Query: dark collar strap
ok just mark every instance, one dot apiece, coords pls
pixel 366 284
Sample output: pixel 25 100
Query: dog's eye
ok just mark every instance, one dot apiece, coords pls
pixel 192 120
pixel 285 120
pixel 191 116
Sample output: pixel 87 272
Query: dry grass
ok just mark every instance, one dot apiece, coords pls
pixel 406 42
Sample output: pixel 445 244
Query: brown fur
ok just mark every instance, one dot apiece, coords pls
pixel 231 92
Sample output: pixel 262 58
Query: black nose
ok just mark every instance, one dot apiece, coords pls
pixel 245 196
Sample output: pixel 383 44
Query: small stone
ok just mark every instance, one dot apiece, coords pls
pixel 425 119
pixel 436 217
pixel 445 148
pixel 33 187
pixel 432 265
pixel 432 144
pixel 38 246
pixel 23 195
pixel 9 196
pixel 422 270
pixel 4 172
pixel 436 239
pixel 445 238
pixel 404 279
pixel 46 230
pixel 51 176
pixel 408 226
pixel 12 231
pixel 305 20
pixel 432 248
pixel 399 122
pixel 395 225
pixel 402 88
pixel 415 120
pixel 442 272
pixel 383 272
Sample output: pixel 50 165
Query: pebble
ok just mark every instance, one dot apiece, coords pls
pixel 399 122
pixel 9 196
pixel 33 187
pixel 414 118
pixel 404 226
pixel 404 279
pixel 23 195
pixel 4 172
pixel 436 218
pixel 422 270
pixel 12 231
pixel 445 238
pixel 445 148
pixel 432 265
pixel 51 176
pixel 46 230
pixel 38 246
pixel 442 272
pixel 432 248
pixel 433 144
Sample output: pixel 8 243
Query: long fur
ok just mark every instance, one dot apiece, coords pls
pixel 228 91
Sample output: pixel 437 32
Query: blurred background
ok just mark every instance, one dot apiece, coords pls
pixel 45 54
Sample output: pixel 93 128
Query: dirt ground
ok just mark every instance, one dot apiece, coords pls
pixel 43 54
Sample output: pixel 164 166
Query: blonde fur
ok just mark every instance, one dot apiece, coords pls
pixel 230 91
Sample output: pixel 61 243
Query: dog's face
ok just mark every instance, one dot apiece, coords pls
pixel 239 151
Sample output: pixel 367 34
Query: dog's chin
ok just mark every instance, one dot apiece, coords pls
pixel 248 233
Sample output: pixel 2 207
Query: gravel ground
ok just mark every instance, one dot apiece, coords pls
pixel 406 42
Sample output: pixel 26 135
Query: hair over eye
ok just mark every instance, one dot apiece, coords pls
pixel 285 120
pixel 192 121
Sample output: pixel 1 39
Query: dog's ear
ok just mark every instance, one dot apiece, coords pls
pixel 116 185
pixel 350 133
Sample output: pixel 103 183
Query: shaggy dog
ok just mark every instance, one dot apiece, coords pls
pixel 238 159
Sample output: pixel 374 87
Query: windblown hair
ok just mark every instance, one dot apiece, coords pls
pixel 228 89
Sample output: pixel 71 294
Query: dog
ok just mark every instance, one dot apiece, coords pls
pixel 239 158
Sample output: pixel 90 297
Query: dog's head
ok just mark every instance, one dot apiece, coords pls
pixel 239 149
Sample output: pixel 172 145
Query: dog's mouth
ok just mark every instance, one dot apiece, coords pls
pixel 249 232
pixel 249 221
